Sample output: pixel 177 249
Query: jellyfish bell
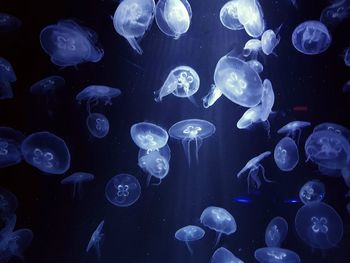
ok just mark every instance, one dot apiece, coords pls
pixel 276 232
pixel 9 23
pixel 96 239
pixel 252 47
pixel 148 136
pixel 48 85
pixel 335 13
pixel 8 204
pixel 229 15
pixel 312 192
pixel 256 65
pixel 275 254
pixel 10 146
pixel 189 234
pixel 98 125
pixel 250 116
pixel 7 75
pixel 269 41
pixel 293 129
pixel 286 154
pixel 250 15
pixel 334 127
pixel 77 179
pixel 223 255
pixel 213 95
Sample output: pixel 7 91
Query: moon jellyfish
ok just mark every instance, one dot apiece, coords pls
pixel 47 152
pixel 8 204
pixel 249 117
pixel 319 225
pixel 229 15
pixel 7 76
pixel 256 65
pixel 182 82
pixel 333 127
pixel 219 220
pixel 334 14
pixel 276 232
pixel 9 23
pixel 251 16
pixel 293 129
pixel 48 86
pixel 311 38
pixel 252 47
pixel 69 44
pixel 132 19
pixel 286 154
pixel 254 166
pixel 312 192
pixel 148 136
pixel 276 255
pixel 223 255
pixel 97 124
pixel 123 190
pixel 191 130
pixel 189 234
pixel 10 146
pixel 96 239
pixel 77 179
pixel 269 41
pixel 213 95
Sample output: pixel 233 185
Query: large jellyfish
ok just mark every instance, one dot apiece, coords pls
pixel 8 204
pixel 276 255
pixel 69 44
pixel 286 154
pixel 251 16
pixel 319 225
pixel 7 76
pixel 293 129
pixel 98 125
pixel 47 152
pixel 148 136
pixel 229 15
pixel 132 19
pixel 269 41
pixel 335 13
pixel 96 239
pixel 219 220
pixel 312 192
pixel 311 38
pixel 223 255
pixel 10 146
pixel 254 166
pixel 191 130
pixel 189 234
pixel 77 179
pixel 9 22
pixel 123 190
pixel 276 232
pixel 48 86
pixel 182 81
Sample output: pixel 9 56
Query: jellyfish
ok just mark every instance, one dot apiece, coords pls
pixel 47 152
pixel 132 19
pixel 8 204
pixel 7 76
pixel 269 41
pixel 48 86
pixel 252 47
pixel 346 87
pixel 229 15
pixel 335 13
pixel 256 65
pixel 9 23
pixel 319 225
pixel 311 38
pixel 213 95
pixel 276 255
pixel 123 190
pixel 251 16
pixel 191 130
pixel 223 255
pixel 173 17
pixel 219 220
pixel 77 179
pixel 334 127
pixel 249 117
pixel 347 57
pixel 69 44
pixel 286 154
pixel 96 239
pixel 182 82
pixel 254 166
pixel 276 232
pixel 148 136
pixel 10 146
pixel 293 129
pixel 189 234
pixel 98 125
pixel 312 191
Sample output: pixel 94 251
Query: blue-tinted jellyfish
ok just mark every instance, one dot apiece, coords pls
pixel 8 204
pixel 10 146
pixel 213 95
pixel 252 47
pixel 256 65
pixel 333 127
pixel 346 87
pixel 219 220
pixel 276 232
pixel 251 16
pixel 47 152
pixel 173 17
pixel 347 57
pixel 311 38
pixel 223 255
pixel 276 255
pixel 148 136
pixel 191 130
pixel 7 76
pixel 9 22
pixel 48 86
pixel 96 239
pixel 312 192
pixel 182 81
pixel 229 15
pixel 69 44
pixel 189 234
pixel 293 129
pixel 123 190
pixel 286 154
pixel 98 125
pixel 269 41
pixel 132 19
pixel 254 166
pixel 249 117
pixel 319 225
pixel 77 179
pixel 335 13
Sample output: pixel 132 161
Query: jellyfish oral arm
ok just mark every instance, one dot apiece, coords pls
pixel 135 45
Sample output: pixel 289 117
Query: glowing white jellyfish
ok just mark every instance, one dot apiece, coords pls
pixel 229 15
pixel 189 234
pixel 269 41
pixel 252 47
pixel 251 16
pixel 148 136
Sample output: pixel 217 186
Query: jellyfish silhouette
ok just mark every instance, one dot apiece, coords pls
pixel 96 239
pixel 269 41
pixel 8 204
pixel 148 136
pixel 312 191
pixel 223 255
pixel 276 232
pixel 347 57
pixel 48 86
pixel 229 15
pixel 286 154
pixel 98 125
pixel 10 146
pixel 9 23
pixel 7 76
pixel 293 129
pixel 77 179
pixel 276 255
pixel 191 130
pixel 250 15
pixel 335 13
pixel 188 234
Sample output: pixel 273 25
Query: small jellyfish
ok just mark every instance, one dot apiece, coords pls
pixel 191 130
pixel 293 129
pixel 123 190
pixel 276 255
pixel 311 38
pixel 254 166
pixel 48 86
pixel 333 127
pixel 312 192
pixel 319 225
pixel 335 13
pixel 9 23
pixel 10 146
pixel 14 243
pixel 8 204
pixel 47 152
pixel 173 17
pixel 148 136
pixel 249 117
pixel 96 239
pixel 269 41
pixel 252 47
pixel 251 16
pixel 98 125
pixel 276 232
pixel 182 82
pixel 132 19
pixel 229 15
pixel 189 234
pixel 213 95
pixel 219 220
pixel 77 179
pixel 223 255
pixel 256 65
pixel 286 154
pixel 347 57
pixel 7 76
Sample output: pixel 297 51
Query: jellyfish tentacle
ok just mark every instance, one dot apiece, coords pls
pixel 253 175
pixel 149 177
pixel 135 45
pixel 158 183
pixel 74 190
pixel 186 146
pixel 263 174
pixel 218 237
pixel 199 143
pixel 189 248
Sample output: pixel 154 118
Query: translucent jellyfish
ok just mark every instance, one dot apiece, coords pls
pixel 69 44
pixel 276 232
pixel 48 86
pixel 312 192
pixel 191 130
pixel 77 179
pixel 183 82
pixel 47 152
pixel 249 117
pixel 311 38
pixel 10 146
pixel 251 16
pixel 189 234
pixel 256 65
pixel 213 95
pixel 293 129
pixel 98 125
pixel 9 23
pixel 173 17
pixel 347 57
pixel 229 15
pixel 223 255
pixel 319 225
pixel 123 190
pixel 254 166
pixel 333 127
pixel 252 47
pixel 219 220
pixel 286 154
pixel 7 76
pixel 148 136
pixel 269 41
pixel 335 13
pixel 132 19
pixel 276 255
pixel 8 204
pixel 96 239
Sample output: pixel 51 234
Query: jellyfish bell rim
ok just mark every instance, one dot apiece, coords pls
pixel 265 251
pixel 198 229
pixel 179 124
pixel 78 177
pixel 221 231
pixel 224 9
pixel 160 129
pixel 196 78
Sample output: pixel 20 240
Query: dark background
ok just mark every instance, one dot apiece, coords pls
pixel 145 231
